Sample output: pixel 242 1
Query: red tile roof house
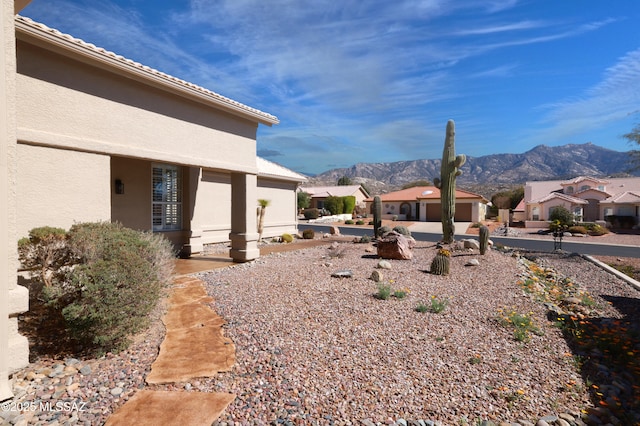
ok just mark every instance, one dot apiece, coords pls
pixel 422 203
pixel 590 199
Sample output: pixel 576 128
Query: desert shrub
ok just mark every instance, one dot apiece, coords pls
pixel 562 215
pixel 348 204
pixel 45 253
pixel 383 230
pixel 597 230
pixel 360 222
pixel 394 217
pixel 364 239
pixel 114 279
pixel 578 230
pixel 311 213
pixel 334 204
pixel 287 238
pixel 349 222
pixel 308 234
pixel 401 229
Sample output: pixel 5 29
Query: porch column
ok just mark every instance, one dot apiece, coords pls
pixel 14 299
pixel 244 224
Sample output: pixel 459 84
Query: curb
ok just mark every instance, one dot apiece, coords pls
pixel 614 271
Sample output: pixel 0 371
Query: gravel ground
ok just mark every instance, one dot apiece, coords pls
pixel 316 349
pixel 313 349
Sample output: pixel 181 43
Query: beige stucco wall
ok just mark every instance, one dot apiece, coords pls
pixel 133 208
pixel 212 209
pixel 60 187
pixel 281 214
pixel 91 109
pixel 14 299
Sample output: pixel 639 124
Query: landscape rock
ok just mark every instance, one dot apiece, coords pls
pixel 343 274
pixel 396 246
pixel 376 276
pixel 471 243
pixel 334 230
pixel 472 262
pixel 384 264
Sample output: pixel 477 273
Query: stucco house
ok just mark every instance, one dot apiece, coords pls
pixel 88 135
pixel 320 193
pixel 590 199
pixel 422 203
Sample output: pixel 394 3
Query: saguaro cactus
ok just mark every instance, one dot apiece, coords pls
pixel 484 239
pixel 377 215
pixel 449 170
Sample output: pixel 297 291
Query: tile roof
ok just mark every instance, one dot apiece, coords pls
pixel 424 193
pixel 103 57
pixel 268 168
pixel 569 198
pixel 331 191
pixel 624 197
pixel 536 190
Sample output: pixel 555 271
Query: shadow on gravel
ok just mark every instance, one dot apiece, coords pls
pixel 607 351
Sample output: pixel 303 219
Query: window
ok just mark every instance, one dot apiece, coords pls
pixel 577 214
pixel 166 190
pixel 569 190
pixel 584 187
pixel 535 213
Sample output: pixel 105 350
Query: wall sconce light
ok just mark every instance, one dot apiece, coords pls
pixel 119 186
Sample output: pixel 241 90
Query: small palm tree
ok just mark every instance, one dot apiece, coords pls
pixel 263 206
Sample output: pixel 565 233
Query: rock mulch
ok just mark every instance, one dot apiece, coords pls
pixel 315 349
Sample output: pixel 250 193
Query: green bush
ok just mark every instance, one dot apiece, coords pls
pixel 308 234
pixel 287 238
pixel 597 230
pixel 348 204
pixel 114 280
pixel 364 239
pixel 349 222
pixel 311 213
pixel 383 230
pixel 334 204
pixel 401 229
pixel 45 254
pixel 562 215
pixel 360 222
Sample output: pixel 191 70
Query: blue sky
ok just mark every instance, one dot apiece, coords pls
pixel 376 81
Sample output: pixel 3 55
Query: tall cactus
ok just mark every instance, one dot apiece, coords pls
pixel 484 239
pixel 377 215
pixel 449 170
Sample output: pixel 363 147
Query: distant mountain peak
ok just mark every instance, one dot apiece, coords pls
pixel 490 171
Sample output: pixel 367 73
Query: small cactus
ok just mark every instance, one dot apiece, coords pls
pixel 308 234
pixel 440 263
pixel 484 239
pixel 377 215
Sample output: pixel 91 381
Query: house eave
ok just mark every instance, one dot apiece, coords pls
pixel 53 40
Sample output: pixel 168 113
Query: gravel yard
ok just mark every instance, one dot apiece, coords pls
pixel 315 349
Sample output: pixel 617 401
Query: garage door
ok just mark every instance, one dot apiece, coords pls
pixel 463 212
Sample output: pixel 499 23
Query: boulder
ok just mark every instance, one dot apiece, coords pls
pixel 471 243
pixel 334 230
pixel 396 246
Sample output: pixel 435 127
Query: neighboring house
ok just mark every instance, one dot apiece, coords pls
pixel 589 199
pixel 422 203
pixel 320 193
pixel 518 214
pixel 88 135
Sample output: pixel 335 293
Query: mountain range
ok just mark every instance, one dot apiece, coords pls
pixel 490 173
